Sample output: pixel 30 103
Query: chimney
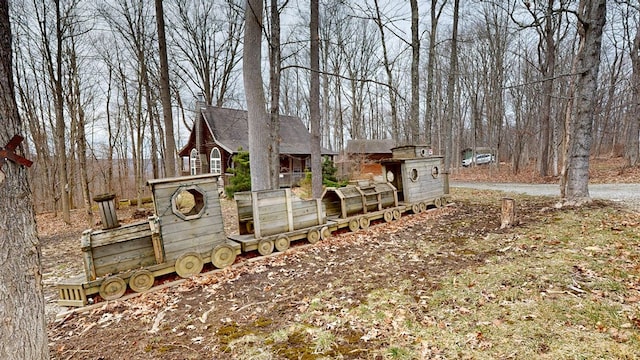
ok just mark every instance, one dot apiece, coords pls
pixel 107 207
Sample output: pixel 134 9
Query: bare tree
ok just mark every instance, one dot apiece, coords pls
pixel 165 94
pixel 206 43
pixel 257 116
pixel 591 19
pixel 388 67
pixel 414 119
pixel 314 102
pixel 435 13
pixel 632 147
pixel 451 85
pixel 53 59
pixel 275 64
pixel 23 330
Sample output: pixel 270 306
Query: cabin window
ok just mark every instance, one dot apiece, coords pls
pixel 413 175
pixel 194 161
pixel 216 162
pixel 189 202
pixel 435 172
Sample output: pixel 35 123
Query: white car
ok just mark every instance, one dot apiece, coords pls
pixel 479 160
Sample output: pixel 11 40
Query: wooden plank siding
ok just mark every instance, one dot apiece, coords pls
pixel 307 213
pixel 126 248
pixel 201 233
pixel 276 212
pixel 426 187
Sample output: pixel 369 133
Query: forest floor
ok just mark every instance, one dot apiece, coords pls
pixel 563 283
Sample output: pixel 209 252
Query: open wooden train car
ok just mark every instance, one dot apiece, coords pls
pixel 185 233
pixel 271 219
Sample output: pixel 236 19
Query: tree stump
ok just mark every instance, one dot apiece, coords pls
pixel 508 213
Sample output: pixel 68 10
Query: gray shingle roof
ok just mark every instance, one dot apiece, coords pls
pixel 230 129
pixel 366 146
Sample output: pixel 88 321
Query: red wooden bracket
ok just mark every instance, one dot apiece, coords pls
pixel 8 152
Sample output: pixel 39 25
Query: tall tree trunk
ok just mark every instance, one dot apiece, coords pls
pixel 415 74
pixel 54 68
pixel 23 331
pixel 395 125
pixel 548 71
pixel 591 20
pixel 274 84
pixel 451 84
pixel 144 73
pixel 165 95
pixel 76 111
pixel 632 147
pixel 314 103
pixel 257 116
pixel 431 65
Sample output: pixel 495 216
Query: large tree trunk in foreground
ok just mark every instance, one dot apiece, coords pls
pixel 23 330
pixel 257 116
pixel 591 19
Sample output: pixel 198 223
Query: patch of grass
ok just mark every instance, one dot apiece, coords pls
pixel 563 284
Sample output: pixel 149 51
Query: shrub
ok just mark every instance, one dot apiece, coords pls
pixel 241 179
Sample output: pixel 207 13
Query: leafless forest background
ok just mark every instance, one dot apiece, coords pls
pixel 87 76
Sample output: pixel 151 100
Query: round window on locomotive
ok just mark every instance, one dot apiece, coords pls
pixel 435 172
pixel 413 175
pixel 188 203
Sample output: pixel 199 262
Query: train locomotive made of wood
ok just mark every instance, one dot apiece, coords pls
pixel 187 229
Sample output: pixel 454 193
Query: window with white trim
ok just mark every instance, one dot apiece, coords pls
pixel 215 162
pixel 194 160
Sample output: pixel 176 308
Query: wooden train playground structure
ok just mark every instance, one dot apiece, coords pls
pixel 187 231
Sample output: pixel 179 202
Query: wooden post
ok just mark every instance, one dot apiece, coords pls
pixel 508 212
pixel 156 239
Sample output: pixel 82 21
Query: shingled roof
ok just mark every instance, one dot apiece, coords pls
pixel 366 146
pixel 230 130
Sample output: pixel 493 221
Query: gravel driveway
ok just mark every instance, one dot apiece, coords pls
pixel 625 193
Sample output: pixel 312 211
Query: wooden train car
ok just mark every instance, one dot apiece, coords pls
pixel 185 233
pixel 271 219
pixel 417 175
pixel 187 230
pixel 355 206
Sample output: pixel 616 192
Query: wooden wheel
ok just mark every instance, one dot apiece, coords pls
pixel 354 225
pixel 364 222
pixel 325 233
pixel 388 216
pixel 313 236
pixel 423 206
pixel 141 280
pixel 282 243
pixel 223 256
pixel 189 264
pixel 397 214
pixel 415 208
pixel 265 247
pixel 112 288
pixel 437 202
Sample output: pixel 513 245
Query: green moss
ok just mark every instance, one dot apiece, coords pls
pixel 262 322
